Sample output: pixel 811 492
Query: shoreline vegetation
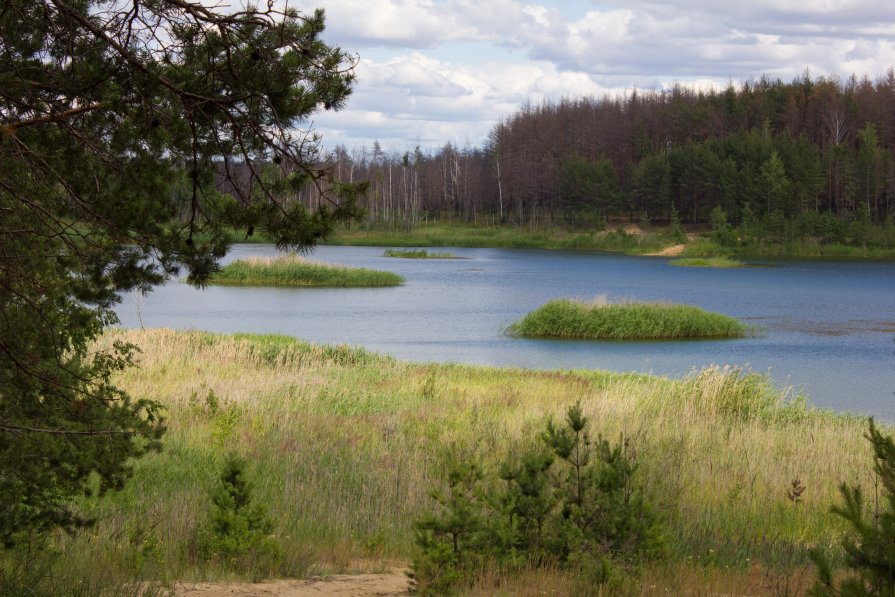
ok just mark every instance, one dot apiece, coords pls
pixel 631 239
pixel 344 447
pixel 627 238
pixel 601 320
pixel 718 262
pixel 418 254
pixel 293 270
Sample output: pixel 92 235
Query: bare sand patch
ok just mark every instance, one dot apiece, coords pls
pixel 355 585
pixel 672 251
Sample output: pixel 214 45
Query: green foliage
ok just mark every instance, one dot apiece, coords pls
pixel 116 122
pixel 719 262
pixel 451 538
pixel 676 230
pixel 870 544
pixel 587 188
pixel 603 510
pixel 418 254
pixel 240 533
pixel 722 232
pixel 625 321
pixel 567 501
pixel 292 270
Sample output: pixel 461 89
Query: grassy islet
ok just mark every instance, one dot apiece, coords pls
pixel 602 320
pixel 293 270
pixel 418 254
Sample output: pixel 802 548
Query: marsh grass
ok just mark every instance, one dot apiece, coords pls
pixel 719 262
pixel 418 254
pixel 602 320
pixel 293 270
pixel 344 447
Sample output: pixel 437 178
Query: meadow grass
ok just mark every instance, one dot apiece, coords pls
pixel 719 262
pixel 292 270
pixel 345 447
pixel 602 320
pixel 417 254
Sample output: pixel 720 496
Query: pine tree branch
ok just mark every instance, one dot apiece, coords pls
pixel 18 429
pixel 10 129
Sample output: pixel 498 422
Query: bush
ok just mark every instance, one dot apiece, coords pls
pixel 568 501
pixel 240 534
pixel 870 546
pixel 450 538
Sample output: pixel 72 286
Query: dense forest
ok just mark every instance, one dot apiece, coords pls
pixel 806 156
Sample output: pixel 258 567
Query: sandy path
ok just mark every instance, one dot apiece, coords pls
pixel 672 251
pixel 355 585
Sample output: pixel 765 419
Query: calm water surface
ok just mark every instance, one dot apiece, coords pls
pixel 828 326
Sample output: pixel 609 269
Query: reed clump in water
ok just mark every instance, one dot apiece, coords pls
pixel 602 320
pixel 293 270
pixel 418 254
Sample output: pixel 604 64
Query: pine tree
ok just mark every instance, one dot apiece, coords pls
pixel 450 538
pixel 118 123
pixel 870 545
pixel 240 529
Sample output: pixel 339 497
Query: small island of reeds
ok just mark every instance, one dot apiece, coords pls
pixel 602 320
pixel 293 270
pixel 720 262
pixel 417 254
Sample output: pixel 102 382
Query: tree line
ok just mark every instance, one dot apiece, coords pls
pixel 812 150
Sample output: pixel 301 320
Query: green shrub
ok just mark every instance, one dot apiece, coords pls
pixel 870 545
pixel 240 534
pixel 450 539
pixel 566 502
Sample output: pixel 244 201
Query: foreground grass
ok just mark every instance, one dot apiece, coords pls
pixel 345 447
pixel 601 320
pixel 417 254
pixel 292 270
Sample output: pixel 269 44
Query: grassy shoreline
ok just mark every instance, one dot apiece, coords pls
pixel 601 320
pixel 630 240
pixel 345 445
pixel 717 262
pixel 506 237
pixel 292 270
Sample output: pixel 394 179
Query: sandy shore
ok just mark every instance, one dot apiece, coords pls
pixel 360 585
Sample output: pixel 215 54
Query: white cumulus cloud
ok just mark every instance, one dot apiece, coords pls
pixel 433 71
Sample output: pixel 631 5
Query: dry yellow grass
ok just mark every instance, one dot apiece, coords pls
pixel 345 446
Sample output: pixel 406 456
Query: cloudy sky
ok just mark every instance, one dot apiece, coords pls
pixel 432 71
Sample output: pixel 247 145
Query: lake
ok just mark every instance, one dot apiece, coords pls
pixel 828 327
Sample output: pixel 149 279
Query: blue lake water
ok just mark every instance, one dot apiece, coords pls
pixel 828 326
